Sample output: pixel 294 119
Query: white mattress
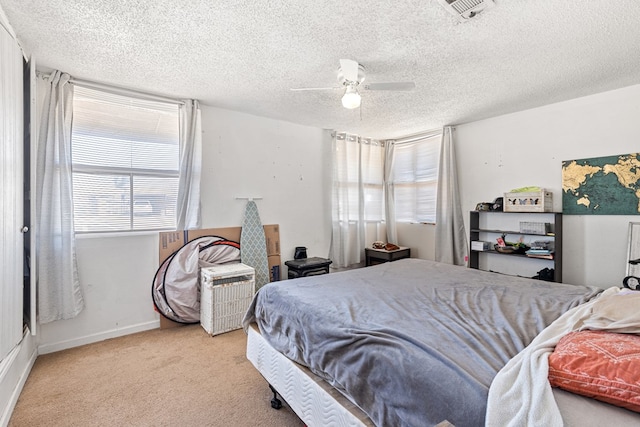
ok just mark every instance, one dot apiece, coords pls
pixel 579 411
pixel 310 397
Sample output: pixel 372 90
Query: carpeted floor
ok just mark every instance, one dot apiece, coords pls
pixel 163 377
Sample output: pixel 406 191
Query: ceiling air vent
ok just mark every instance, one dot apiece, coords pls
pixel 465 9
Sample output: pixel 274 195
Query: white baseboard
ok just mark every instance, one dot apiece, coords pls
pixel 101 336
pixel 16 368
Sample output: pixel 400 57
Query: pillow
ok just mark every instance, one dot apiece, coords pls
pixel 598 364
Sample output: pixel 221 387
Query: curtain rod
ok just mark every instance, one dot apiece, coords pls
pixel 4 23
pixel 120 90
pixel 416 137
pixel 405 139
pixel 353 136
pixel 117 90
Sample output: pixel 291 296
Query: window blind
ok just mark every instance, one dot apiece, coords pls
pixel 415 179
pixel 125 155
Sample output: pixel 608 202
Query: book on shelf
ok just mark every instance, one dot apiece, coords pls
pixel 539 251
pixel 540 254
pixel 544 245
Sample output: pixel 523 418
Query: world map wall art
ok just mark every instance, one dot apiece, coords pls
pixel 601 186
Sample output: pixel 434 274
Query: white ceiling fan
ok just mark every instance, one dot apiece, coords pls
pixel 351 76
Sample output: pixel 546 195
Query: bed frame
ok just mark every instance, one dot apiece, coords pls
pixel 309 396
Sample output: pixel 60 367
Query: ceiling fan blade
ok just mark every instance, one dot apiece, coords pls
pixel 349 69
pixel 295 89
pixel 390 86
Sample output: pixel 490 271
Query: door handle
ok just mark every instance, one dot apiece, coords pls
pixel 24 229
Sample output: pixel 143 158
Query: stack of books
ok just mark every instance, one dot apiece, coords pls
pixel 542 249
pixel 540 253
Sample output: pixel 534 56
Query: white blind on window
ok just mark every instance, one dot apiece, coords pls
pixel 415 178
pixel 125 154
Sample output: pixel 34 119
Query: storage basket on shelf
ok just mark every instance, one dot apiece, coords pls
pixel 535 227
pixel 533 201
pixel 225 294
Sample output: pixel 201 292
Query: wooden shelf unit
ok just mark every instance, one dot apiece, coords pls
pixel 475 232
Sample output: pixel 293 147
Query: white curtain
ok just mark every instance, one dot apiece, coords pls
pixel 59 293
pixel 188 208
pixel 357 198
pixel 11 220
pixel 389 194
pixel 451 240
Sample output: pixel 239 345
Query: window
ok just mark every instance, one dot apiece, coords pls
pixel 359 166
pixel 415 179
pixel 125 155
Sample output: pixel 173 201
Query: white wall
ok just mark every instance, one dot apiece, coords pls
pixel 419 237
pixel 288 165
pixel 527 148
pixel 115 275
pixel 243 156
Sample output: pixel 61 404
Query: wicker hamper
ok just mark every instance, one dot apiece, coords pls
pixel 225 295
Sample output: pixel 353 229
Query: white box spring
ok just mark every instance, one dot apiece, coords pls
pixel 310 397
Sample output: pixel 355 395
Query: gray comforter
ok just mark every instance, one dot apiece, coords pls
pixel 412 342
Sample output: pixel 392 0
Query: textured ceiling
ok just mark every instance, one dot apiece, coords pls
pixel 246 55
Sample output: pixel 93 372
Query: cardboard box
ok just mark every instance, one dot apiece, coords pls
pixel 272 234
pixel 171 241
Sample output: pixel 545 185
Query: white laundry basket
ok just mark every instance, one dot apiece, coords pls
pixel 225 294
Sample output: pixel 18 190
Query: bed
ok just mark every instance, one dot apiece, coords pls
pixel 412 342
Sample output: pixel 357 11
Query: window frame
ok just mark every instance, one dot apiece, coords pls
pixel 131 173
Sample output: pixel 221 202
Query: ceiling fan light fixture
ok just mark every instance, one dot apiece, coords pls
pixel 351 77
pixel 351 98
